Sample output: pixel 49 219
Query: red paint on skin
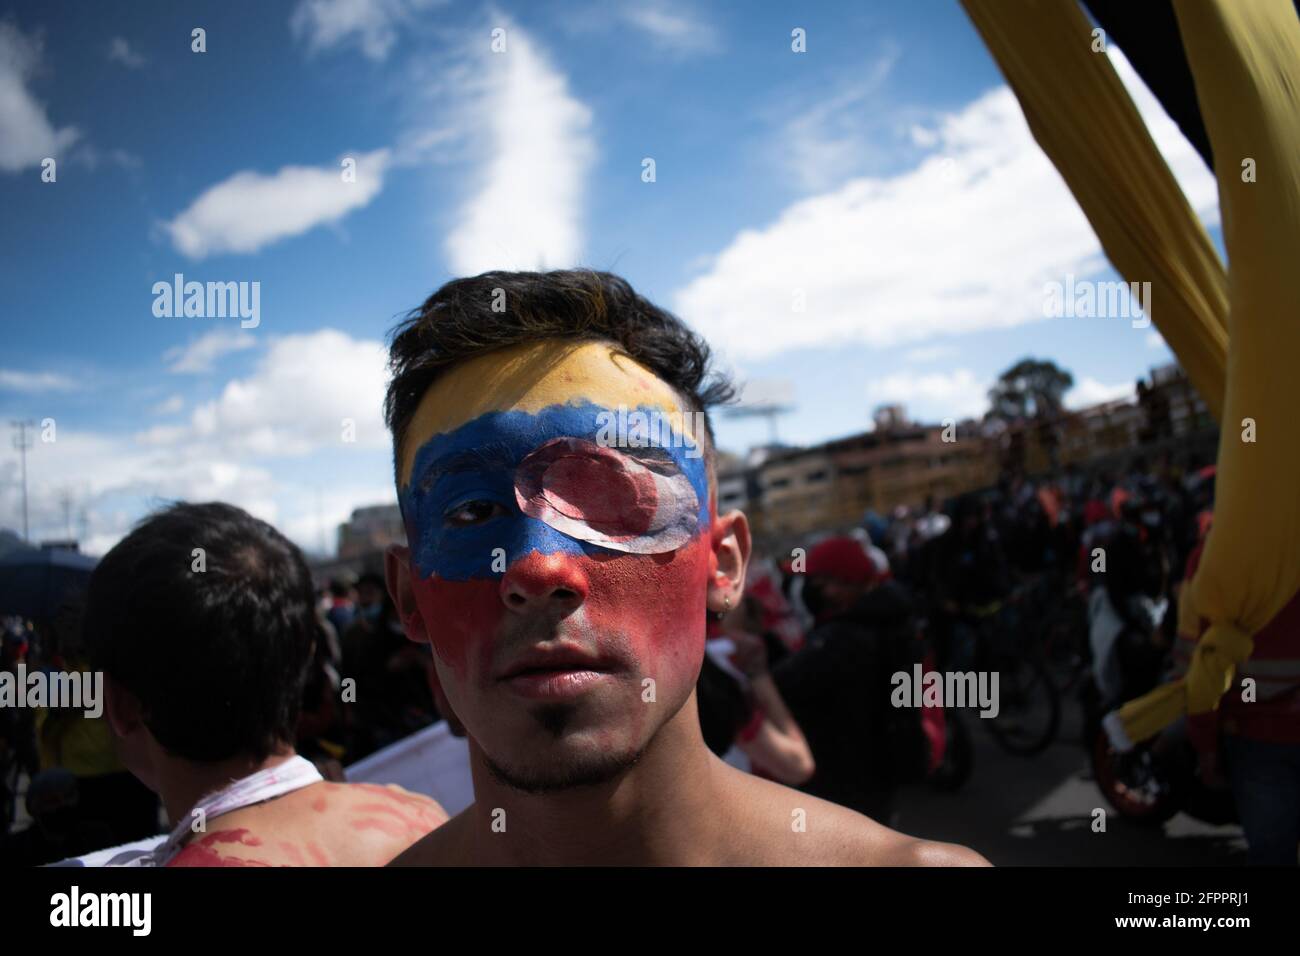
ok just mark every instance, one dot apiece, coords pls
pixel 411 809
pixel 656 601
pixel 317 855
pixel 419 802
pixel 318 804
pixel 240 836
pixel 390 810
pixel 461 616
pixel 201 852
pixel 383 826
pixel 602 493
pixel 202 856
pixel 292 852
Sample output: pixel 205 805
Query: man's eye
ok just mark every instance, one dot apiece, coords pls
pixel 472 513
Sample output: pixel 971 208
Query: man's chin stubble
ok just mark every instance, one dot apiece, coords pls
pixel 568 773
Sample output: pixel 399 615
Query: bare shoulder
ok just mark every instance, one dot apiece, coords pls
pixel 791 828
pixel 414 805
pixel 914 852
pixel 440 847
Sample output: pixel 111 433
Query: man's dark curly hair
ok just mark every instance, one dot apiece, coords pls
pixel 459 322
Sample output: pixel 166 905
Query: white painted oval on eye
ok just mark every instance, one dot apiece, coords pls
pixel 636 503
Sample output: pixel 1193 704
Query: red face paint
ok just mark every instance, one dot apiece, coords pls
pixel 651 607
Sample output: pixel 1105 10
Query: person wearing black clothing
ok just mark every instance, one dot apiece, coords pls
pixel 838 685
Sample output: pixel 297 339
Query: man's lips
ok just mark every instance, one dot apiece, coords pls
pixel 556 658
pixel 561 670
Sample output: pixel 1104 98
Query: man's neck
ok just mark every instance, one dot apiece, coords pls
pixel 660 811
pixel 183 783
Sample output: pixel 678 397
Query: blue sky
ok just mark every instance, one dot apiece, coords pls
pixel 884 178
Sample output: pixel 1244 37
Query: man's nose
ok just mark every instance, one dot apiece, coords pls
pixel 539 583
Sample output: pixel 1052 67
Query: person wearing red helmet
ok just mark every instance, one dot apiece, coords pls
pixel 838 685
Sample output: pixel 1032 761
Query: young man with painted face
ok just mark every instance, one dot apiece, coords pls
pixel 564 554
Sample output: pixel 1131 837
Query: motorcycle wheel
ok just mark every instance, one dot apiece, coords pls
pixel 1135 784
pixel 1029 712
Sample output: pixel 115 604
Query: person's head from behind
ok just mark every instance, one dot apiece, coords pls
pixel 554 467
pixel 203 621
pixel 371 594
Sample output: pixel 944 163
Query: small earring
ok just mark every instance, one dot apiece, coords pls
pixel 719 615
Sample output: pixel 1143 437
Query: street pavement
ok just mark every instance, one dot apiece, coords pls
pixel 1039 811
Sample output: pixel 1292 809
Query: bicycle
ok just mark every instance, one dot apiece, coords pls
pixel 1029 703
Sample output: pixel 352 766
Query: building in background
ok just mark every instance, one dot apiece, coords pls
pixel 792 493
pixel 371 529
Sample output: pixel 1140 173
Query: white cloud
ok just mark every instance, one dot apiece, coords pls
pixel 119 51
pixel 372 25
pixel 109 481
pixel 249 445
pixel 526 212
pixel 26 136
pixel 956 394
pixel 1088 391
pixel 930 353
pixel 962 242
pixel 169 406
pixel 251 210
pixel 295 401
pixel 198 355
pixel 828 136
pixel 19 381
pixel 671 25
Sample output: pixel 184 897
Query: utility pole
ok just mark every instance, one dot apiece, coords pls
pixel 65 499
pixel 23 441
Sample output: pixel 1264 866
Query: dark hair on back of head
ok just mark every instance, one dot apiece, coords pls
pixel 458 322
pixel 216 652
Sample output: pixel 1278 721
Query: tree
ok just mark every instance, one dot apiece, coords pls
pixel 1030 389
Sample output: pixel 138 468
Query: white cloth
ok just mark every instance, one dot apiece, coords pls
pixel 293 774
pixel 431 761
pixel 1104 626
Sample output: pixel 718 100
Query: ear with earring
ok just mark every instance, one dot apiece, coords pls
pixel 726 609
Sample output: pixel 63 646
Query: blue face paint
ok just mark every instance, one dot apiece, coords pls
pixel 476 468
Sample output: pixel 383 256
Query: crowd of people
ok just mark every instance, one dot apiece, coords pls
pixel 796 682
pixel 1094 567
pixel 538 606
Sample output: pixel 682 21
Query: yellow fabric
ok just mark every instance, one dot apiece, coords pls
pixel 1084 120
pixel 1245 58
pixel 75 742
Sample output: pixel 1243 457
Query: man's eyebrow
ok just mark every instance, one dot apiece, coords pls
pixel 494 455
